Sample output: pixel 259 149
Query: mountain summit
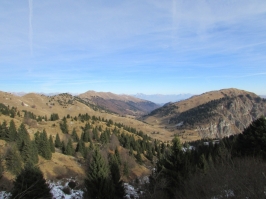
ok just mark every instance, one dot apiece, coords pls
pixel 214 114
pixel 121 104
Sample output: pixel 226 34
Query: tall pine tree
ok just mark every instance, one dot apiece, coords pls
pixel 98 182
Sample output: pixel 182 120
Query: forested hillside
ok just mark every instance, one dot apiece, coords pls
pixel 233 167
pixel 119 152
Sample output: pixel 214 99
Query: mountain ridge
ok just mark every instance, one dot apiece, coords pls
pixel 120 104
pixel 213 114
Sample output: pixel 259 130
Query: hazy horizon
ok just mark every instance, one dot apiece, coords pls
pixel 126 47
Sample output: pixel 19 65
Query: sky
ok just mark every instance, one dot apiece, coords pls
pixel 129 47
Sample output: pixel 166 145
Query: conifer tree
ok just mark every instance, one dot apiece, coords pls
pixel 57 141
pixel 118 187
pixel 63 147
pixel 30 184
pixel 95 134
pixel 117 155
pixel 22 135
pixel 3 130
pixel 81 147
pixel 43 144
pixel 103 138
pixel 203 164
pixel 138 157
pixel 26 151
pixel 12 131
pixel 98 183
pixel 1 167
pixel 64 126
pixel 86 136
pixel 52 147
pixel 75 136
pixel 252 142
pixel 125 169
pixel 34 150
pixel 174 167
pixel 69 148
pixel 149 154
pixel 13 160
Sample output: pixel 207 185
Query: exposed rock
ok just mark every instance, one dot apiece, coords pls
pixel 215 114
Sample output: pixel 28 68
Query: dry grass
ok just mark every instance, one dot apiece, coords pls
pixel 44 105
pixel 61 166
pixel 160 121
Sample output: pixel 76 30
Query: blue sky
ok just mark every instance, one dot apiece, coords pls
pixel 140 46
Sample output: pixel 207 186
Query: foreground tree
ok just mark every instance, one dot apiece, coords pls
pixel 117 183
pixel 30 184
pixel 13 160
pixel 98 182
pixel 252 142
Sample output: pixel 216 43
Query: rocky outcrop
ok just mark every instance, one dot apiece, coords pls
pixel 215 114
pixel 231 118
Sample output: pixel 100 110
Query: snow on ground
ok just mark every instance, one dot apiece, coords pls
pixel 58 190
pixel 131 192
pixel 4 195
pixel 63 191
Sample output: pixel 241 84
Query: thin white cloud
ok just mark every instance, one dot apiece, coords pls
pixel 123 38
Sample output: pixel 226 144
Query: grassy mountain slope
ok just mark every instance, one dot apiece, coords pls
pixel 65 105
pixel 120 104
pixel 213 114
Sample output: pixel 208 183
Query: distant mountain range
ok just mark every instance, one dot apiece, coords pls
pixel 156 98
pixel 163 99
pixel 213 114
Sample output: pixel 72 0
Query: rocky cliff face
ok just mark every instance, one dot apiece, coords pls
pixel 214 114
pixel 231 116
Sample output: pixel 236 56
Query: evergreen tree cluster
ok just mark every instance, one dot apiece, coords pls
pixel 64 126
pixel 44 145
pixel 66 148
pixel 178 167
pixel 103 180
pixel 30 184
pixel 54 117
pixel 21 149
pixel 29 114
pixel 6 110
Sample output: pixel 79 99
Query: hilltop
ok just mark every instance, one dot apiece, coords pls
pixel 120 104
pixel 214 114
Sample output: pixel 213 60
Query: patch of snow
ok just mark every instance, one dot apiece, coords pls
pixel 5 195
pixel 130 191
pixel 189 148
pixel 225 194
pixel 180 124
pixel 57 190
